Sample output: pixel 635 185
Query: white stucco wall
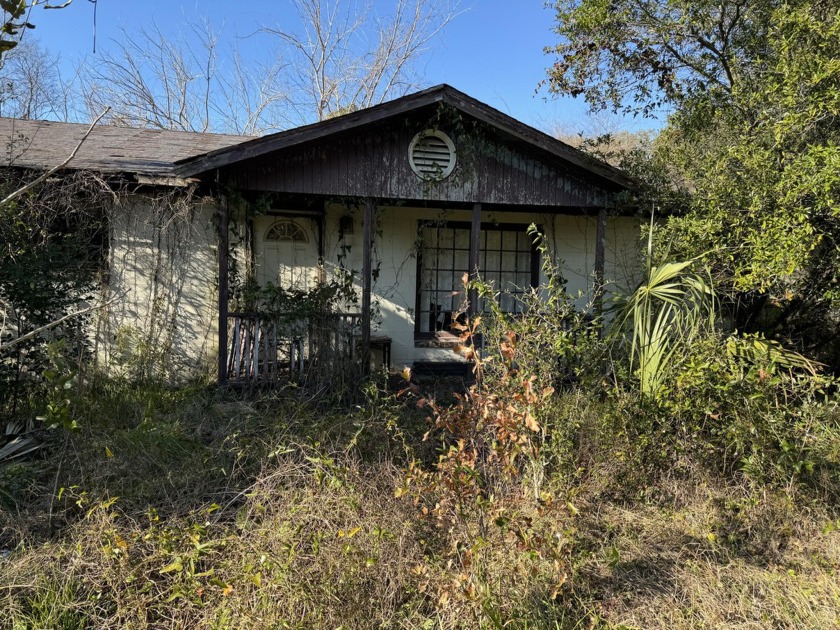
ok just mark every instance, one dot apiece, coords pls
pixel 163 269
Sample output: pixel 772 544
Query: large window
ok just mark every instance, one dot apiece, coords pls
pixel 507 260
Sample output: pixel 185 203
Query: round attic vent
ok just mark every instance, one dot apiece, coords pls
pixel 432 155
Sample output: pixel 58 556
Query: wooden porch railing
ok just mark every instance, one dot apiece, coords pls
pixel 265 351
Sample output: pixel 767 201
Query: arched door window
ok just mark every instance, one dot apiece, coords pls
pixel 286 232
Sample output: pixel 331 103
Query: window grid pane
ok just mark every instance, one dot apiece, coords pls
pixel 505 260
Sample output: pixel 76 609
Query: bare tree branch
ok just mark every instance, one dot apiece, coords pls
pixel 34 333
pixel 346 57
pixel 47 174
pixel 189 83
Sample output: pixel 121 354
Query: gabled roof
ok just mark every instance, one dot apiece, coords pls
pixel 159 153
pixel 41 145
pixel 507 125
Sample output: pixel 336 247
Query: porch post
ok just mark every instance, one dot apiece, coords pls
pixel 475 234
pixel 600 255
pixel 223 291
pixel 367 244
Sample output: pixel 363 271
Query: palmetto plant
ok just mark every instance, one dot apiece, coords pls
pixel 662 316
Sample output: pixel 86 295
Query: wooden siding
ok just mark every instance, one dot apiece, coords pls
pixel 374 163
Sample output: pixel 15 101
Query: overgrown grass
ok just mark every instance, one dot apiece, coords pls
pixel 192 508
pixel 707 554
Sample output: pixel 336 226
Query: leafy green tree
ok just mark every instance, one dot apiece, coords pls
pixel 15 19
pixel 641 55
pixel 752 140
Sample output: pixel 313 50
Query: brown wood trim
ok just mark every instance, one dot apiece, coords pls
pixel 608 174
pixel 475 234
pixel 600 257
pixel 417 279
pixel 519 131
pixel 536 261
pixel 251 254
pixel 300 135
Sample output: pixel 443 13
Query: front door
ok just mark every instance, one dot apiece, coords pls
pixel 286 252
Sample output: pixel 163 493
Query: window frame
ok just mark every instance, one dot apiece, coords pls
pixel 442 337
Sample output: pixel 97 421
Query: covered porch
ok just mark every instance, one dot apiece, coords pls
pixel 407 264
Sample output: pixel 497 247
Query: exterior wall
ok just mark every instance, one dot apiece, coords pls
pixel 163 265
pixel 165 268
pixel 573 243
pixel 572 239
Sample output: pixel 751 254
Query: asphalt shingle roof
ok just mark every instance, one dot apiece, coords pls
pixel 42 145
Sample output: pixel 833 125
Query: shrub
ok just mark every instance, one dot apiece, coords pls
pixel 51 253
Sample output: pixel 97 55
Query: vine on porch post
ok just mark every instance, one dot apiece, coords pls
pixel 223 291
pixel 600 257
pixel 367 246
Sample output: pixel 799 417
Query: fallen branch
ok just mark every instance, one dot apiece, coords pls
pixel 44 176
pixel 34 333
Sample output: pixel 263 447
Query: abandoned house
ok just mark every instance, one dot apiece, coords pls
pixel 357 231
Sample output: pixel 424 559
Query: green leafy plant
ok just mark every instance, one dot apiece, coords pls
pixel 50 256
pixel 746 166
pixel 60 381
pixel 664 315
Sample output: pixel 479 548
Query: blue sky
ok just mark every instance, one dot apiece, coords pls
pixel 492 51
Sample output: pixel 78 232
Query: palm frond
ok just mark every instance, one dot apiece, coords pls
pixel 662 315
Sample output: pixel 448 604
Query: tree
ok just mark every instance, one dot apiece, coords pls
pixel 641 55
pixel 346 57
pixel 31 85
pixel 153 80
pixel 16 20
pixel 751 140
pixel 343 58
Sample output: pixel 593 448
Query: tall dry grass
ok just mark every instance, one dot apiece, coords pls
pixel 189 509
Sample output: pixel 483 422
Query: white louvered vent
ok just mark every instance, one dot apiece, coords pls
pixel 432 155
